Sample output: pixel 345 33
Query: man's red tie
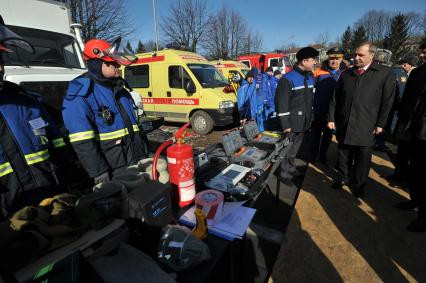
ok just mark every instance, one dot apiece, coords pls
pixel 360 71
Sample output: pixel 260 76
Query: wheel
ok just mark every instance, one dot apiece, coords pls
pixel 201 122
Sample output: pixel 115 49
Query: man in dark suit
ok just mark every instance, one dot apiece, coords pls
pixel 358 111
pixel 412 126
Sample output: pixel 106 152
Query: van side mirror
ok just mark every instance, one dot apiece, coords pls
pixel 190 86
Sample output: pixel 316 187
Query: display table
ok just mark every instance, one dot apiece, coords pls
pixel 252 258
pixel 247 260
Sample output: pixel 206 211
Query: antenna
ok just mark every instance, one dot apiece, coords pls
pixel 155 25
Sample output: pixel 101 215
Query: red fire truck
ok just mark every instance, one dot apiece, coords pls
pixel 278 61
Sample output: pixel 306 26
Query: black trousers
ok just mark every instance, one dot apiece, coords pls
pixel 354 163
pixel 417 176
pixel 288 165
pixel 320 139
pixel 402 159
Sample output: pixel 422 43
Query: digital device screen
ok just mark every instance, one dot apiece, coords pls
pixel 231 174
pixel 250 152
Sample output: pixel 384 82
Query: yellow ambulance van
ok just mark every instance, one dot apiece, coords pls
pixel 182 86
pixel 229 68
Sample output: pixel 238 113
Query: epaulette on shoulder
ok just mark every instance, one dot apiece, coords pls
pixel 79 86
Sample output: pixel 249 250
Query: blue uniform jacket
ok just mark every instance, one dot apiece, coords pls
pixel 274 84
pixel 28 139
pixel 102 126
pixel 244 97
pixel 293 100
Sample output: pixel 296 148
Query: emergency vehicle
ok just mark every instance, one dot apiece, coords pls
pixel 182 86
pixel 230 68
pixel 233 71
pixel 278 61
pixel 384 56
pixel 46 24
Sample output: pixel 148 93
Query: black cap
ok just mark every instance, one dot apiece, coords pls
pixel 277 72
pixel 410 59
pixel 336 51
pixel 269 69
pixel 305 53
pixel 250 74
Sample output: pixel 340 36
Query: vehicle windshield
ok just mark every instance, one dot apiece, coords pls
pixel 51 49
pixel 244 71
pixel 286 61
pixel 207 75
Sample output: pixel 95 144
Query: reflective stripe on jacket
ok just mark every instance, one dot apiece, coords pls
pixel 102 126
pixel 27 139
pixel 293 100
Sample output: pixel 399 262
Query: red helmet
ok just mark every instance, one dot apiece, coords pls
pixel 100 49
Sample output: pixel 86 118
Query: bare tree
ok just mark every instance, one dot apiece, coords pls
pixel 323 39
pixel 289 48
pixel 416 23
pixel 237 28
pixel 252 43
pixel 229 36
pixel 150 46
pixel 101 18
pixel 216 44
pixel 186 22
pixel 375 24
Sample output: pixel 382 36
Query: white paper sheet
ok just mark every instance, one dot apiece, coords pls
pixel 232 223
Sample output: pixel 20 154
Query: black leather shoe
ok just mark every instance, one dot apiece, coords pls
pixel 417 225
pixel 408 205
pixel 358 192
pixel 393 178
pixel 338 184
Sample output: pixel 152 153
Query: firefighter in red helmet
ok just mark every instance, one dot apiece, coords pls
pixel 99 113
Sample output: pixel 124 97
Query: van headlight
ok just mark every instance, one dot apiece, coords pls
pixel 226 104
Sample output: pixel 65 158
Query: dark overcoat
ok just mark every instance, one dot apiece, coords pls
pixel 360 103
pixel 414 89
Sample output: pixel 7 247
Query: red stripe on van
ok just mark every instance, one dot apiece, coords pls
pixel 174 101
pixel 150 59
pixel 226 66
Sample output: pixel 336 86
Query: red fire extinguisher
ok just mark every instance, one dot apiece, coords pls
pixel 180 159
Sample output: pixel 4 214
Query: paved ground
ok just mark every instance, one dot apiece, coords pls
pixel 333 237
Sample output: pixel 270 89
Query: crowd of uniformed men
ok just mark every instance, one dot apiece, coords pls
pixel 353 102
pixel 362 102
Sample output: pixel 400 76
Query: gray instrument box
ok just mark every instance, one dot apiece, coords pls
pixel 251 131
pixel 259 154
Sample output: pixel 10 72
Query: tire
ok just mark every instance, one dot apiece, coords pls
pixel 201 122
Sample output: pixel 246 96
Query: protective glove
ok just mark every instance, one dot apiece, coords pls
pixel 104 177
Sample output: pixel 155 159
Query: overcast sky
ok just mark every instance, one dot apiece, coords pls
pixel 280 22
